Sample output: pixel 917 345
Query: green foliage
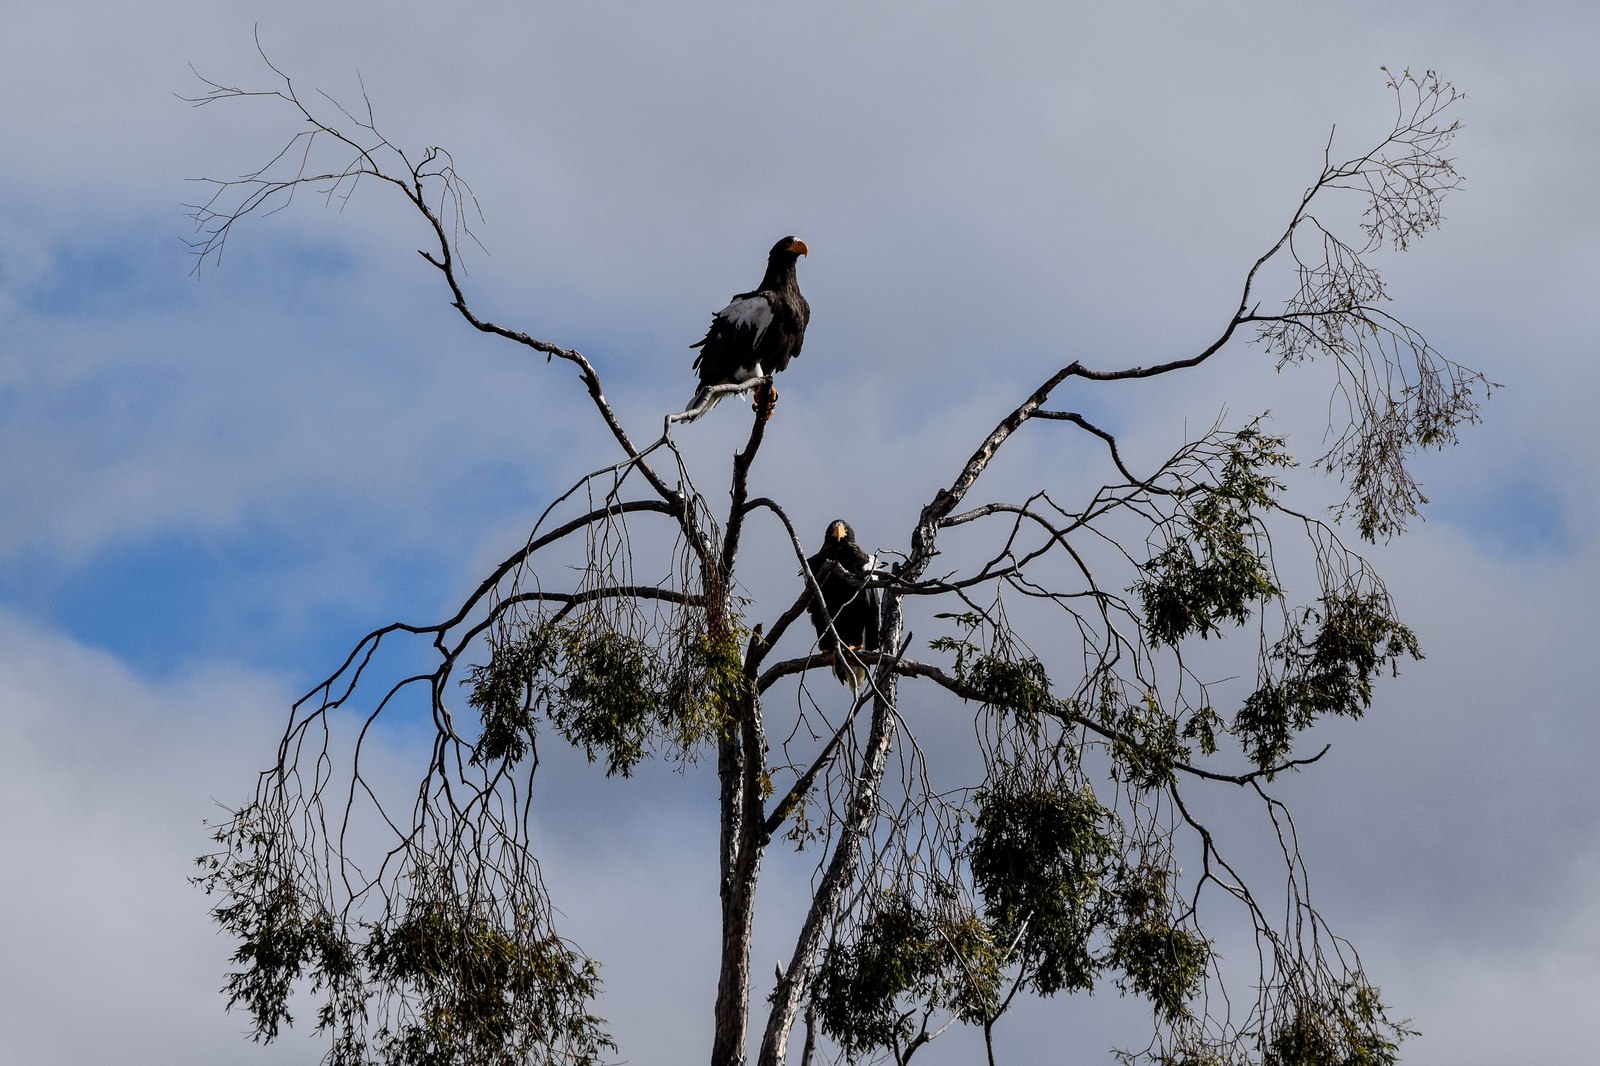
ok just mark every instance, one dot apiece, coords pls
pixel 606 691
pixel 504 691
pixel 1212 568
pixel 704 686
pixel 1039 854
pixel 482 993
pixel 1347 1027
pixel 1018 686
pixel 1147 746
pixel 1146 741
pixel 1330 671
pixel 1157 960
pixel 902 952
pixel 611 698
pixel 1201 728
pixel 1048 861
pixel 452 981
pixel 1002 681
pixel 284 934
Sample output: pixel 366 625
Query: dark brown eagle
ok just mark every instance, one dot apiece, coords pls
pixel 853 607
pixel 757 333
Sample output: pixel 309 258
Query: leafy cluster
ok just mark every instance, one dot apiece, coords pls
pixel 1213 566
pixel 284 933
pixel 1146 743
pixel 451 978
pixel 940 955
pixel 605 690
pixel 1040 857
pixel 1346 1026
pixel 1060 907
pixel 1001 678
pixel 1325 664
pixel 994 669
pixel 482 993
pixel 506 690
pixel 1153 956
pixel 1145 740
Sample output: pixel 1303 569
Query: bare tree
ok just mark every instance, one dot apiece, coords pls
pixel 1075 851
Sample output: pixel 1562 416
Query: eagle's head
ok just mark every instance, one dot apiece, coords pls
pixel 839 532
pixel 790 248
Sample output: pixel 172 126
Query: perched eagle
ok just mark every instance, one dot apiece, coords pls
pixel 853 607
pixel 758 333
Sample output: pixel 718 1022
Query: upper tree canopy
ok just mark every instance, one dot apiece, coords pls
pixel 1068 843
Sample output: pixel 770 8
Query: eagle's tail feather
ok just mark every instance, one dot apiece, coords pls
pixel 702 395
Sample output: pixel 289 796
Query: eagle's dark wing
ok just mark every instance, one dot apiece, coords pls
pixel 821 607
pixel 872 609
pixel 857 608
pixel 731 350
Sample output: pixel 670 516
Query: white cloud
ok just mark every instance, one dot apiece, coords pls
pixel 104 779
pixel 1488 1003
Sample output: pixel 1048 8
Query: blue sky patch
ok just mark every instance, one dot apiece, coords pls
pixel 261 597
pixel 1521 518
pixel 145 267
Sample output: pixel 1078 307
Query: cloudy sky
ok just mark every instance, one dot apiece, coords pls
pixel 212 484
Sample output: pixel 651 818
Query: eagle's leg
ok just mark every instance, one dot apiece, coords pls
pixel 766 401
pixel 857 668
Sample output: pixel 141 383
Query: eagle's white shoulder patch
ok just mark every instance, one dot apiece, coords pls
pixel 748 312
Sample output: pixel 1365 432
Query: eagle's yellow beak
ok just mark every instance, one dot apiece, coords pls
pixel 798 247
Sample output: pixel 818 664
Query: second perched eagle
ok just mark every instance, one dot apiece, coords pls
pixel 852 606
pixel 758 332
